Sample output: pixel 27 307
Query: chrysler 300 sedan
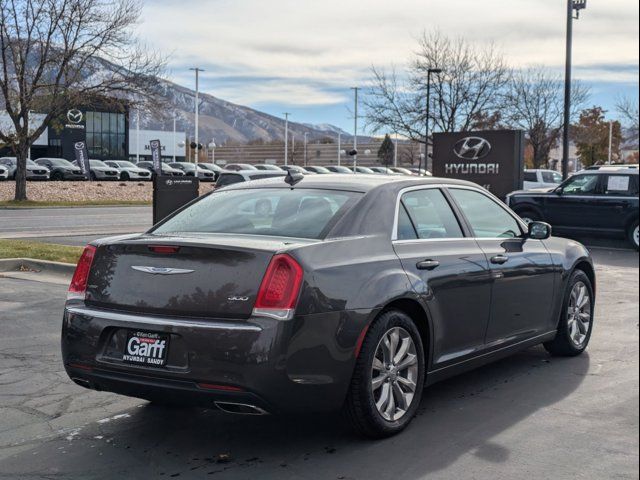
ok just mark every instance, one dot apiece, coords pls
pixel 348 292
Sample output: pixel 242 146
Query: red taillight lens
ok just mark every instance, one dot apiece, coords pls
pixel 280 286
pixel 166 249
pixel 78 285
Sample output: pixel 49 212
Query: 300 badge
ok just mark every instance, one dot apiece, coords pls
pixel 146 348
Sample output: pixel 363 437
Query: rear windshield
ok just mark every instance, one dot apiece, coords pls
pixel 282 212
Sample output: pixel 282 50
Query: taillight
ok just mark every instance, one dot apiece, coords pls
pixel 78 286
pixel 166 249
pixel 279 289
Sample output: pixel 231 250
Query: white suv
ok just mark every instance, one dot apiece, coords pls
pixel 538 178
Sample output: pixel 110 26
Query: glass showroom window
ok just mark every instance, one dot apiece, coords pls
pixel 105 135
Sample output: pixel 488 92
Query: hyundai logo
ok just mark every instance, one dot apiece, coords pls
pixel 161 270
pixel 472 148
pixel 74 115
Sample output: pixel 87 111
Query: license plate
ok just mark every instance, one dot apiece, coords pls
pixel 146 348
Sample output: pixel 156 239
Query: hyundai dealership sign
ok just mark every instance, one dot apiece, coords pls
pixel 140 142
pixel 493 159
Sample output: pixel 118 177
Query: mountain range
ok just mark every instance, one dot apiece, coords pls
pixel 224 121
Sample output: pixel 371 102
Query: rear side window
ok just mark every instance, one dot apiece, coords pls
pixel 229 179
pixel 301 213
pixel 551 177
pixel 621 185
pixel 430 214
pixel 487 218
pixel 530 177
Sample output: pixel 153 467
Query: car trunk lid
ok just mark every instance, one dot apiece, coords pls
pixel 216 276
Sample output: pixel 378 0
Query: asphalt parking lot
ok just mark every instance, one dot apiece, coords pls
pixel 529 416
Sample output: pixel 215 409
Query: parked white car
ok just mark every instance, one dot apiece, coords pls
pixel 128 170
pixel 538 178
pixel 4 173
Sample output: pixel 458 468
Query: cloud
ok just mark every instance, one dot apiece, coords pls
pixel 309 52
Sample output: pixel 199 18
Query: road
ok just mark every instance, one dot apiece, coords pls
pixel 527 416
pixel 73 226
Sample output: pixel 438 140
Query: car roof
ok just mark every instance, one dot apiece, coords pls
pixel 357 182
pixel 249 173
pixel 608 170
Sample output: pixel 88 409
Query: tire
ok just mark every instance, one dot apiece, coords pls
pixel 124 176
pixel 529 216
pixel 570 328
pixel 632 234
pixel 93 176
pixel 57 176
pixel 360 405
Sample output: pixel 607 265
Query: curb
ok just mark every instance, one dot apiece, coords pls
pixel 19 264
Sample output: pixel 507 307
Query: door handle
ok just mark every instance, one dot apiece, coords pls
pixel 427 264
pixel 499 259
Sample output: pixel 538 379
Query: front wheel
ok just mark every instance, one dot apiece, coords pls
pixel 633 234
pixel 576 318
pixel 388 379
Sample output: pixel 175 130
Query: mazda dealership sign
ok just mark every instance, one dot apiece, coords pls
pixel 493 159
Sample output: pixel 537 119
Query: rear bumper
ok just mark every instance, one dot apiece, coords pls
pixel 304 364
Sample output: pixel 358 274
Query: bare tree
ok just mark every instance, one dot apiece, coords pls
pixel 54 53
pixel 534 102
pixel 628 110
pixel 469 85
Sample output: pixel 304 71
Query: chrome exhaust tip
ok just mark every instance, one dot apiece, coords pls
pixel 240 408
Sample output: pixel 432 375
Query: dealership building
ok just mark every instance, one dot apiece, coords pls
pixel 106 132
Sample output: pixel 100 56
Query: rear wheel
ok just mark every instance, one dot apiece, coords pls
pixel 93 176
pixel 632 234
pixel 576 320
pixel 388 379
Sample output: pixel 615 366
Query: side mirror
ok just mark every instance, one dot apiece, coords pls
pixel 539 230
pixel 558 191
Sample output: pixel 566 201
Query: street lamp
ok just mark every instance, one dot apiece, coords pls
pixel 306 134
pixel 197 70
pixel 212 147
pixel 426 122
pixel 572 5
pixel 286 138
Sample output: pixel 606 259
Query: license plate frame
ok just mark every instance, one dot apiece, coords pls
pixel 149 349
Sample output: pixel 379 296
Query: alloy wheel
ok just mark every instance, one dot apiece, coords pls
pixel 579 314
pixel 636 236
pixel 394 374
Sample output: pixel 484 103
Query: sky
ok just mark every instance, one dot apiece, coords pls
pixel 302 56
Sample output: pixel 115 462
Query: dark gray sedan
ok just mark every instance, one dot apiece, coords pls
pixel 325 292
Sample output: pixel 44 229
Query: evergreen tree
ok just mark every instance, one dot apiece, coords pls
pixel 385 152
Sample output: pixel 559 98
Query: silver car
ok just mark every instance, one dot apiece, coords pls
pixel 101 171
pixel 129 171
pixel 4 173
pixel 34 171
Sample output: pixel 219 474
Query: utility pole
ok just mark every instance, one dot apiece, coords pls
pixel 395 151
pixel 339 146
pixel 572 5
pixel 286 138
pixel 426 122
pixel 306 134
pixel 197 111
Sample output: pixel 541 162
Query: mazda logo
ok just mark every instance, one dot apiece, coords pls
pixel 472 148
pixel 74 115
pixel 79 145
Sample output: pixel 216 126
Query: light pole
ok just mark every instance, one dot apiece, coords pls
pixel 610 141
pixel 174 137
pixel 286 138
pixel 339 148
pixel 355 127
pixel 306 134
pixel 572 5
pixel 395 151
pixel 426 121
pixel 137 135
pixel 212 146
pixel 197 70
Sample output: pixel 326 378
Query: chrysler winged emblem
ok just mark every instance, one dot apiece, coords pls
pixel 472 148
pixel 161 270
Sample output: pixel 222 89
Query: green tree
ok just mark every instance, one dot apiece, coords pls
pixel 385 152
pixel 591 135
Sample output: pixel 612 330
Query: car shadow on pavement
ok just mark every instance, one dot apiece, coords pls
pixel 466 416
